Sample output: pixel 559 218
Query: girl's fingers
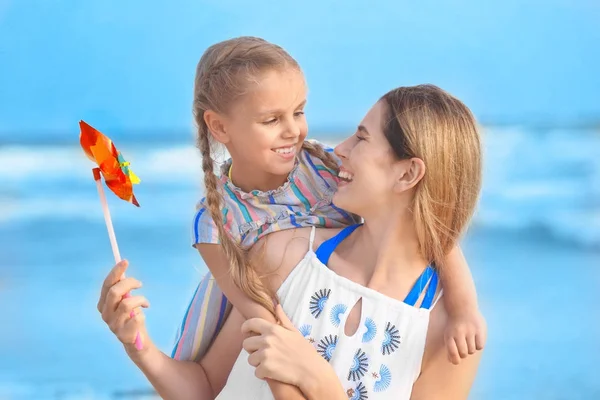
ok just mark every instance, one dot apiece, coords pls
pixel 471 347
pixel 126 307
pixel 128 332
pixel 115 295
pixel 113 277
pixel 453 355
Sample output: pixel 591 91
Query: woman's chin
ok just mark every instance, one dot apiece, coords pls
pixel 341 198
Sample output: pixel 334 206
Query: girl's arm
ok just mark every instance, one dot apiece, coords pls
pixel 466 331
pixel 440 379
pixel 180 380
pixel 172 379
pixel 218 264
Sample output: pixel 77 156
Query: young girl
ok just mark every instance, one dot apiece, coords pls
pixel 249 96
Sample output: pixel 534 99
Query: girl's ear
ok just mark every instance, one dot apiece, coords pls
pixel 215 123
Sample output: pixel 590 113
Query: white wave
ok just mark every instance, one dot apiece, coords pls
pixel 18 163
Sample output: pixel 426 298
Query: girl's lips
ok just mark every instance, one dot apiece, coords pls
pixel 285 152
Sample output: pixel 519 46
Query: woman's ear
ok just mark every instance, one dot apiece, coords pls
pixel 215 123
pixel 408 174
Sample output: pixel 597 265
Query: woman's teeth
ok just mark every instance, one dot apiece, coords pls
pixel 285 150
pixel 345 175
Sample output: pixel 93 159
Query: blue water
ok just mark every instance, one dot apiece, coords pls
pixel 534 249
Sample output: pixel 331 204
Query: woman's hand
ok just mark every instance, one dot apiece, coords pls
pixel 281 353
pixel 116 310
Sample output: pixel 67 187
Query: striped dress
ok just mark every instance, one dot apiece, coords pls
pixel 303 201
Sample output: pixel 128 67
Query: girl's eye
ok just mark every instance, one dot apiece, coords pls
pixel 270 122
pixel 298 113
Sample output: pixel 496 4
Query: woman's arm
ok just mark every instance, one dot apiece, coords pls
pixel 466 331
pixel 439 378
pixel 217 262
pixel 281 353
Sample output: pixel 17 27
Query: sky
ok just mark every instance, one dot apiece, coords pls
pixel 129 66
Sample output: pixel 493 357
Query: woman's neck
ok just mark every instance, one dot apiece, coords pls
pixel 390 243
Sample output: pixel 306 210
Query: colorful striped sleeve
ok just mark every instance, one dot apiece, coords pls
pixel 204 228
pixel 202 321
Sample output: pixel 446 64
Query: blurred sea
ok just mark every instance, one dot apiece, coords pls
pixel 534 249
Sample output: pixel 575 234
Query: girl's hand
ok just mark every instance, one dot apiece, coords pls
pixel 465 334
pixel 116 310
pixel 281 353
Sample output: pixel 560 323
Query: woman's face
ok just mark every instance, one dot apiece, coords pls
pixel 368 172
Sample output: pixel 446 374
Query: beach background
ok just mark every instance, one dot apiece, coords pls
pixel 529 71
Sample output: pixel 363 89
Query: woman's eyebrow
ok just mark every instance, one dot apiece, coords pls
pixel 361 128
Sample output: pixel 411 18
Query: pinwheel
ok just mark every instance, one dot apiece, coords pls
pixel 118 177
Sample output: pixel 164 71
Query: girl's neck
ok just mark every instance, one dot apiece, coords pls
pixel 248 179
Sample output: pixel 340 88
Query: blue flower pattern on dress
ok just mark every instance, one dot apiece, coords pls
pixel 371 330
pixel 318 301
pixel 385 378
pixel 391 340
pixel 305 330
pixel 326 346
pixel 336 314
pixel 359 367
pixel 360 393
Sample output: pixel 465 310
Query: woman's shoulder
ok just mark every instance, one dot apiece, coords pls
pixel 324 234
pixel 279 252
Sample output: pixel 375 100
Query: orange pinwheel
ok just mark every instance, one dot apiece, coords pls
pixel 118 177
pixel 116 172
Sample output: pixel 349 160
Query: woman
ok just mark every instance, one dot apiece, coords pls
pixel 365 298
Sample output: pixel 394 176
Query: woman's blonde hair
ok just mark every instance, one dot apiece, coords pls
pixel 428 123
pixel 223 75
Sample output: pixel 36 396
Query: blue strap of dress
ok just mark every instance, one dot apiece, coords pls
pixel 431 289
pixel 328 247
pixel 417 289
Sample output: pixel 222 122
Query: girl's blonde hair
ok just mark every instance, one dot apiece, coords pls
pixel 428 123
pixel 223 75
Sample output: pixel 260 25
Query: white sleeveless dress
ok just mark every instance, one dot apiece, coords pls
pixel 381 360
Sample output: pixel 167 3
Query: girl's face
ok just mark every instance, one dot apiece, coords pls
pixel 265 129
pixel 369 171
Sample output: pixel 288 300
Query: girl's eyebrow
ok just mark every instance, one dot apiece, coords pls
pixel 281 111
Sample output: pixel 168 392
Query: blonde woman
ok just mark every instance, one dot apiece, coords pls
pixel 364 299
